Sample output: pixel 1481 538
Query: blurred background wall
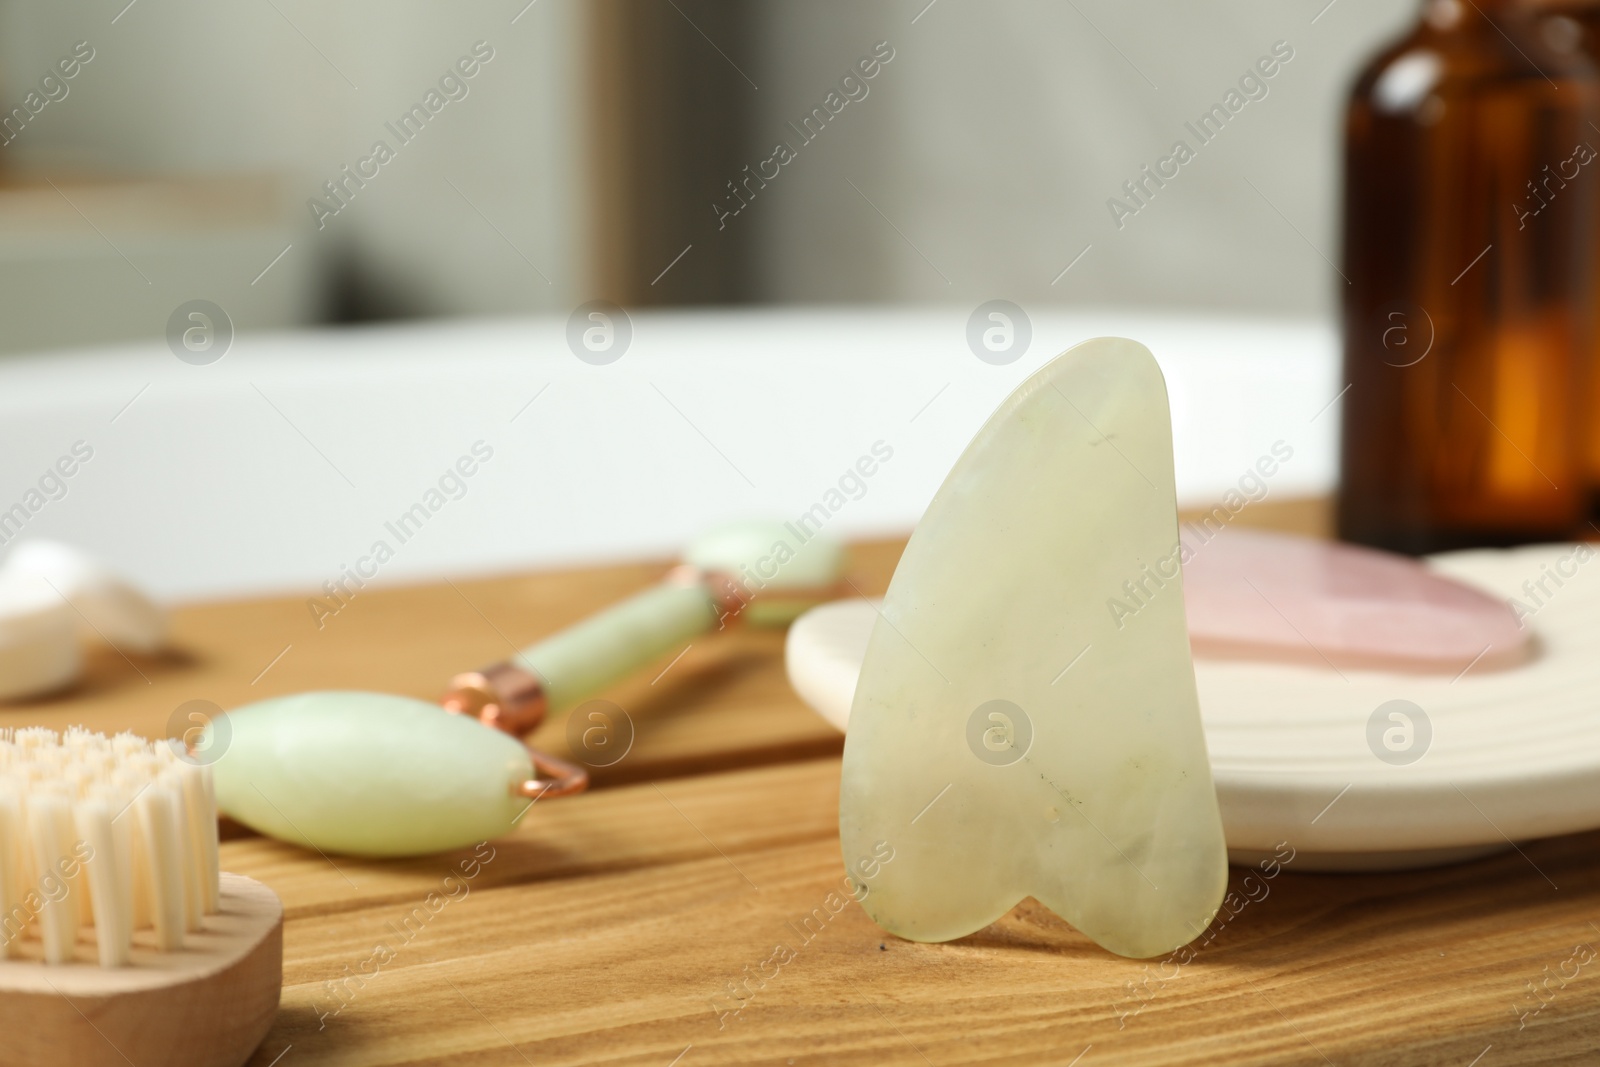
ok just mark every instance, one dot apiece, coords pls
pixel 598 142
pixel 997 134
pixel 485 211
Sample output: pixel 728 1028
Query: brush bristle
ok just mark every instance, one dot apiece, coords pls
pixel 117 835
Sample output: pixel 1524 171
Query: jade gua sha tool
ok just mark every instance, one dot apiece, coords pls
pixel 1007 739
pixel 1374 712
pixel 374 774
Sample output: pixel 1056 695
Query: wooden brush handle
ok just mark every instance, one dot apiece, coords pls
pixel 207 1006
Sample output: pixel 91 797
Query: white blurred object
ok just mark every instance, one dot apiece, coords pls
pixel 204 478
pixel 108 606
pixel 52 597
pixel 39 647
pixel 823 653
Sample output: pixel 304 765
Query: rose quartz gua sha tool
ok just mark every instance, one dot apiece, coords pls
pixel 1008 738
pixel 375 774
pixel 1265 596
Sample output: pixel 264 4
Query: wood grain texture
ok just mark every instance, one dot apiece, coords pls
pixel 697 715
pixel 631 964
pixel 607 927
pixel 1311 516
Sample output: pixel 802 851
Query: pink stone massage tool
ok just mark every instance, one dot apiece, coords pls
pixel 1269 596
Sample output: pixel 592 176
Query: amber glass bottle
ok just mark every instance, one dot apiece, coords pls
pixel 1469 257
pixel 1575 25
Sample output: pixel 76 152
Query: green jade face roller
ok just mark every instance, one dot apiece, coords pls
pixel 374 774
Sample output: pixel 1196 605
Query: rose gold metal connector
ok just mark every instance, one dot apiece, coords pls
pixel 503 696
pixel 560 778
pixel 510 699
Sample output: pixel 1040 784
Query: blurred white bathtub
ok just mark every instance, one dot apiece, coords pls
pixel 281 464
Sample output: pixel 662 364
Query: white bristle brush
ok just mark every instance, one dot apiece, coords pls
pixel 111 899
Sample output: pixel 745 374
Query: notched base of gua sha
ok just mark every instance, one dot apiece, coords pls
pixel 1008 738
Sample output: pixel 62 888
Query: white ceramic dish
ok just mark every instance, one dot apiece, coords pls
pixel 1483 760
